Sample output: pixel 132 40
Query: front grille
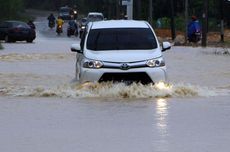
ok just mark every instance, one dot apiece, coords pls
pixel 130 77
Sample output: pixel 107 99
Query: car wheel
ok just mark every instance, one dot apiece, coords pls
pixel 7 39
pixel 29 40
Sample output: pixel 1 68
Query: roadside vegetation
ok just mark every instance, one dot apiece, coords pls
pixel 16 9
pixel 13 10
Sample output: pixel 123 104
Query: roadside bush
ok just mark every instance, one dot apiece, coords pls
pixel 180 23
pixel 165 22
pixel 213 24
pixel 11 9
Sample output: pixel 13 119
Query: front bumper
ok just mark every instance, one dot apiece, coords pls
pixel 143 75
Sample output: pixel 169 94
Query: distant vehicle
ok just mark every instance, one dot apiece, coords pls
pixel 12 31
pixel 91 17
pixel 65 13
pixel 120 50
pixel 51 24
pixel 31 24
pixel 72 28
pixel 59 29
pixel 51 20
pixel 194 30
pixel 95 16
pixel 82 25
pixel 74 13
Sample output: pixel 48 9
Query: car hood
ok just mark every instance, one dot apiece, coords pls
pixel 123 55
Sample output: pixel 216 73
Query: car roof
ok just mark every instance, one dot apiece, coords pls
pixel 64 8
pixel 14 21
pixel 95 13
pixel 119 24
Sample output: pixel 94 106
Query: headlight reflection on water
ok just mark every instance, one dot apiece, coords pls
pixel 161 115
pixel 163 86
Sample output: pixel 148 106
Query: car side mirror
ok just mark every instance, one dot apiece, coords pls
pixel 76 48
pixel 165 46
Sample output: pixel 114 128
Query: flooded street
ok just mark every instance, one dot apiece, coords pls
pixel 42 109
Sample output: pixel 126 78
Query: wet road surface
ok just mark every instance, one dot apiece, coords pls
pixel 41 109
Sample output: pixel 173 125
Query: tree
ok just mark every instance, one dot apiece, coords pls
pixel 11 8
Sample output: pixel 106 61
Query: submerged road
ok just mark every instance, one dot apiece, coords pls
pixel 42 110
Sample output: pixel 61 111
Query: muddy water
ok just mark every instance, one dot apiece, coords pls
pixel 192 72
pixel 42 108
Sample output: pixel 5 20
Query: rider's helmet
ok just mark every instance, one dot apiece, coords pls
pixel 194 18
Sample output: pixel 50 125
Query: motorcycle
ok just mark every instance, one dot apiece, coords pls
pixel 72 31
pixel 51 24
pixel 59 29
pixel 195 37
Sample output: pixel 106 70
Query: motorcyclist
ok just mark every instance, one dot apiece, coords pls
pixel 72 23
pixel 72 28
pixel 73 12
pixel 194 30
pixel 60 23
pixel 51 20
pixel 31 24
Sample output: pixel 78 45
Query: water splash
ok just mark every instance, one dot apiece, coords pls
pixel 218 51
pixel 115 90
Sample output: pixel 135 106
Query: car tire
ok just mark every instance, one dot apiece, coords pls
pixel 29 40
pixel 7 39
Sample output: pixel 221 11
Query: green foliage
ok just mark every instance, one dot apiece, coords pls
pixel 165 22
pixel 213 24
pixel 10 9
pixel 180 23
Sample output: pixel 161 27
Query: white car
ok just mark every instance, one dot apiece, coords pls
pixel 120 50
pixel 95 16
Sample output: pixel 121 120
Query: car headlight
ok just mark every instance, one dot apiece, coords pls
pixel 93 64
pixel 155 62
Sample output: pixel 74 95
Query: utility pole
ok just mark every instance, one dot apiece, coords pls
pixel 222 20
pixel 205 23
pixel 173 32
pixel 186 20
pixel 151 12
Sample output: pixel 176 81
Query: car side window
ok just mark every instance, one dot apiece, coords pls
pixel 3 25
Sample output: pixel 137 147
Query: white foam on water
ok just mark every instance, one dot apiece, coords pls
pixel 217 51
pixel 115 90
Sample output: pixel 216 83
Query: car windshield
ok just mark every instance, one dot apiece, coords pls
pixel 121 39
pixel 64 10
pixel 20 24
pixel 83 20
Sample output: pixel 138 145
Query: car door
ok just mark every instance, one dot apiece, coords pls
pixel 3 30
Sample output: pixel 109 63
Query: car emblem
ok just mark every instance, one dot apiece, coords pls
pixel 124 66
